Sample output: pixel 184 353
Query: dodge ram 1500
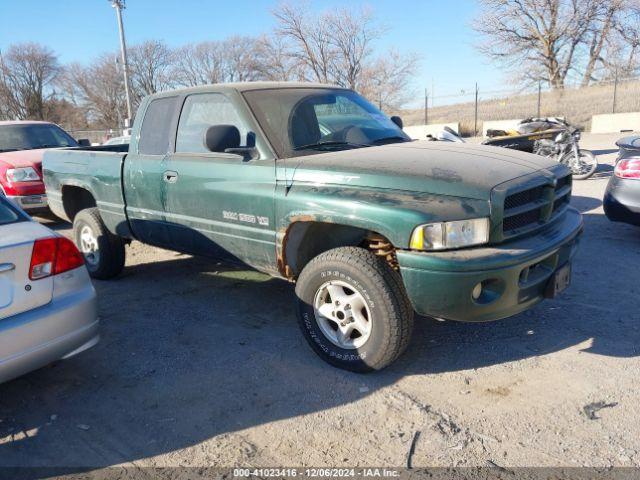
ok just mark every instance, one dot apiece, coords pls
pixel 313 184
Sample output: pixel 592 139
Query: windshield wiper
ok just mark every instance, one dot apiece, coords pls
pixel 330 143
pixel 392 139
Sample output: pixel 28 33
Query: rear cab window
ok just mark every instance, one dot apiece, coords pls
pixel 8 213
pixel 157 127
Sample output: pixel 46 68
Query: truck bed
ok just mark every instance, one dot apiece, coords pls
pixel 95 170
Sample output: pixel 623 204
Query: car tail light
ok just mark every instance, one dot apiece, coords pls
pixel 52 256
pixel 628 168
pixel 43 258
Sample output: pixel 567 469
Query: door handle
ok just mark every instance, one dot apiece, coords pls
pixel 6 267
pixel 170 176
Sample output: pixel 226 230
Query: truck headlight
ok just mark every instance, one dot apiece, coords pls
pixel 27 174
pixel 445 235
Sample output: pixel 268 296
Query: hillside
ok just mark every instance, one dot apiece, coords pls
pixel 575 104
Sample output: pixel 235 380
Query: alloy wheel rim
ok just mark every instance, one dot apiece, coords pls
pixel 342 314
pixel 89 245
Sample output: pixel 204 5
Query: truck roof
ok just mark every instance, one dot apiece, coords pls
pixel 246 86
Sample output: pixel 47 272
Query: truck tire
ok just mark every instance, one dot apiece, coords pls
pixel 103 251
pixel 353 309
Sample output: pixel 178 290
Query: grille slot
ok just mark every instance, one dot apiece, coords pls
pixel 559 202
pixel 563 182
pixel 522 198
pixel 522 220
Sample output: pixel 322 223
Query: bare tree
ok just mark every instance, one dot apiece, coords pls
pixel 150 64
pixel 353 34
pixel 98 89
pixel 337 47
pixel 27 71
pixel 199 64
pixel 602 25
pixel 621 56
pixel 275 61
pixel 232 60
pixel 240 58
pixel 387 80
pixel 310 40
pixel 548 39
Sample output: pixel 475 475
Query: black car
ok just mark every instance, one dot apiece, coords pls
pixel 622 198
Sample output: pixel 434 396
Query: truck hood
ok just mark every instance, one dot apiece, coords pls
pixel 23 158
pixel 442 168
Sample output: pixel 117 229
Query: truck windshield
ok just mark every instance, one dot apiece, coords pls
pixel 7 213
pixel 304 121
pixel 31 136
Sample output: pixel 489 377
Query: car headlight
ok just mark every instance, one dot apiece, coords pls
pixel 445 235
pixel 26 174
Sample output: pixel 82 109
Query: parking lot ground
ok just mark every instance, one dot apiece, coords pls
pixel 202 365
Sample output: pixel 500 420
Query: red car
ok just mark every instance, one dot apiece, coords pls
pixel 22 145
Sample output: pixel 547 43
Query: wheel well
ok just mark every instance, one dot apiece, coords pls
pixel 75 199
pixel 304 241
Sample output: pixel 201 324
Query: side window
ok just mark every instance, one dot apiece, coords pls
pixel 155 133
pixel 199 112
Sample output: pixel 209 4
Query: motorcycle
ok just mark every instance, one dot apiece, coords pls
pixel 564 149
pixel 549 137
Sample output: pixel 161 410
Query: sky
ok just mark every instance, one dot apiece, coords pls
pixel 79 30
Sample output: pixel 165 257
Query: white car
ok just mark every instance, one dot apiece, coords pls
pixel 48 305
pixel 118 140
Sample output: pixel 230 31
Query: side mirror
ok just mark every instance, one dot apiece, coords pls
pixel 220 138
pixel 398 121
pixel 84 142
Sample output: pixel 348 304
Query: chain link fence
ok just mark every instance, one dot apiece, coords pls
pixel 95 136
pixel 470 108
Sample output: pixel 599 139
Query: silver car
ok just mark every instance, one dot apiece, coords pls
pixel 47 302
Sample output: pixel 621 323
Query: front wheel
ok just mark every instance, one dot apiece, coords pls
pixel 353 309
pixel 582 167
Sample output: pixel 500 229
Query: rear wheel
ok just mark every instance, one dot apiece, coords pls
pixel 104 253
pixel 353 309
pixel 582 167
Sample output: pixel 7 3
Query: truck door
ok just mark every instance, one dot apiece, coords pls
pixel 219 204
pixel 144 168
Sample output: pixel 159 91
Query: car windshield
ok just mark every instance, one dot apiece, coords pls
pixel 304 121
pixel 7 213
pixel 31 136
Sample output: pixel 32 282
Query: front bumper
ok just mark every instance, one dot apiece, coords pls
pixel 30 203
pixel 621 201
pixel 66 326
pixel 514 275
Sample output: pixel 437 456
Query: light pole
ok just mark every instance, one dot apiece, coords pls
pixel 119 6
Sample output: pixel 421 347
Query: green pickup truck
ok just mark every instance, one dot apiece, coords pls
pixel 313 184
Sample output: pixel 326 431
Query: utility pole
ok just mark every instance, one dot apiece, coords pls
pixel 539 97
pixel 615 92
pixel 426 107
pixel 119 6
pixel 475 116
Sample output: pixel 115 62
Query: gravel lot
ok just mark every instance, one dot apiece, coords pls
pixel 201 365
